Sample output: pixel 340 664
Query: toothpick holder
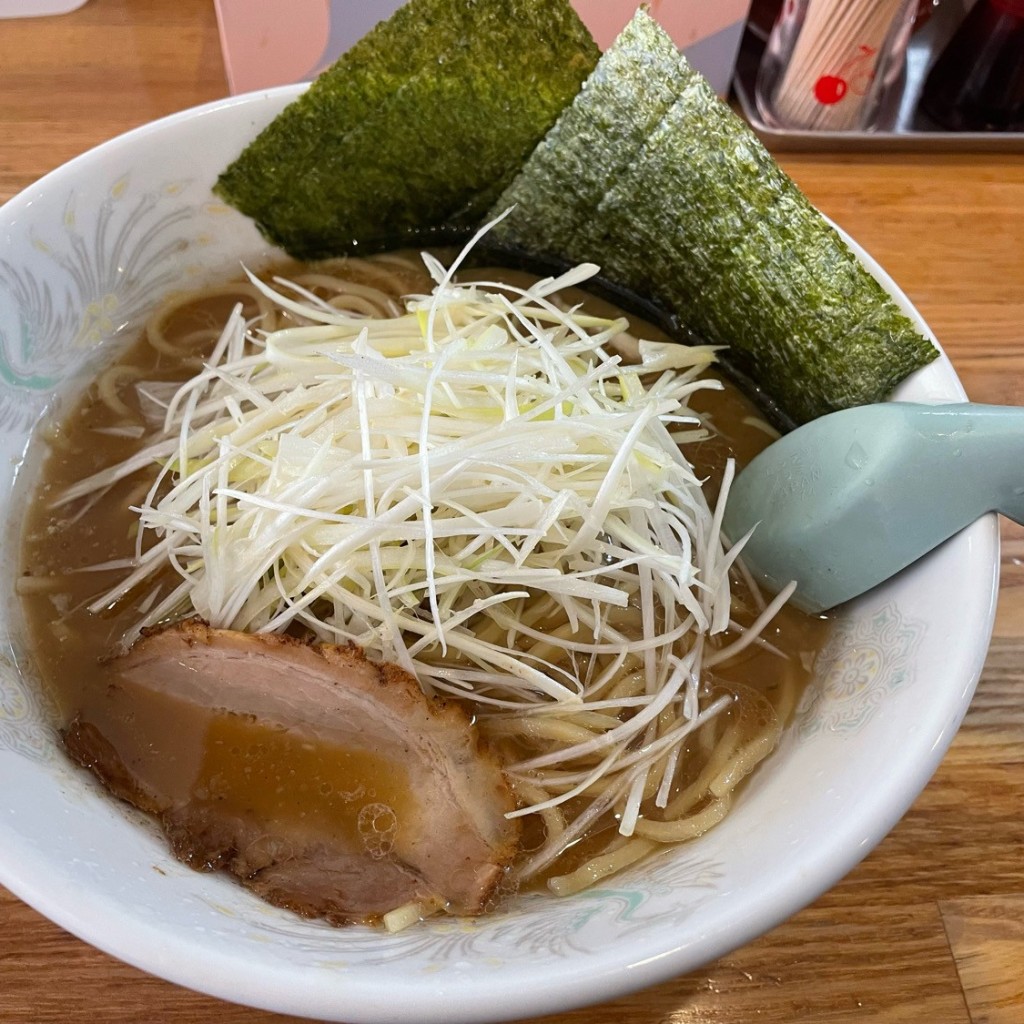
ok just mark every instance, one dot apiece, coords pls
pixel 828 63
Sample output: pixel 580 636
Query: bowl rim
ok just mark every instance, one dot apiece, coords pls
pixel 607 974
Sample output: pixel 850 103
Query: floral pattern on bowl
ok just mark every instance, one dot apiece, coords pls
pixel 26 717
pixel 865 660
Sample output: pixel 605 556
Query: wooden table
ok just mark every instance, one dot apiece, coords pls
pixel 930 927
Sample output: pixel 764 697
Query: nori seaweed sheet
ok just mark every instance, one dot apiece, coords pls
pixel 419 125
pixel 695 213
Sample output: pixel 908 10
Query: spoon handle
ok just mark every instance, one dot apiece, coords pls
pixel 978 450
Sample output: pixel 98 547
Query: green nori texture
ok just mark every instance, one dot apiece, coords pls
pixel 421 124
pixel 565 182
pixel 693 211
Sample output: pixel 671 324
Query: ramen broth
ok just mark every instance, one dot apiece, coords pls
pixel 66 548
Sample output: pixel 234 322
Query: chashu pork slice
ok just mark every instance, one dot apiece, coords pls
pixel 331 785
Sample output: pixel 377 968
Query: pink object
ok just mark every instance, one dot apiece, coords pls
pixel 275 42
pixel 272 42
pixel 686 21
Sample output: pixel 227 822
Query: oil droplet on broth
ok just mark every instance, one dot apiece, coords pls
pixel 378 825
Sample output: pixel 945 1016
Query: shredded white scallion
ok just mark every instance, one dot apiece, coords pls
pixel 479 490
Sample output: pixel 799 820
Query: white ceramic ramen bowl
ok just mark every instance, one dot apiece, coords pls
pixel 89 249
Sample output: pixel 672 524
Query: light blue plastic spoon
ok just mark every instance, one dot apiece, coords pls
pixel 848 500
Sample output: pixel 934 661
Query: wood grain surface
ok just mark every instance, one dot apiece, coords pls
pixel 929 927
